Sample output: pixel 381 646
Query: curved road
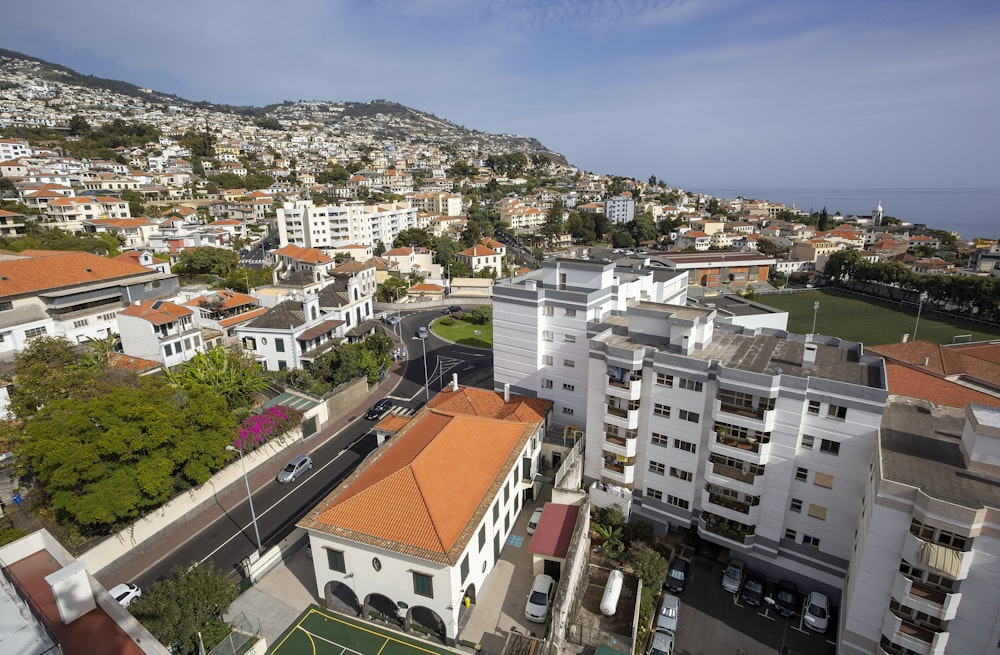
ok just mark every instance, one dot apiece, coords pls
pixel 230 538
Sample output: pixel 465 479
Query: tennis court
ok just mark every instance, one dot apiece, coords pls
pixel 319 632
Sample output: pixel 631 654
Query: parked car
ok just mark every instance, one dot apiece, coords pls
pixel 451 309
pixel 125 593
pixel 378 409
pixel 732 577
pixel 816 612
pixel 667 615
pixel 294 468
pixel 537 607
pixel 753 589
pixel 677 575
pixel 422 332
pixel 536 516
pixel 391 319
pixel 663 643
pixel 786 598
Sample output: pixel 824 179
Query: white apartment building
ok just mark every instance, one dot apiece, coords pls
pixel 924 576
pixel 759 439
pixel 619 209
pixel 14 148
pixel 333 226
pixel 160 331
pixel 542 322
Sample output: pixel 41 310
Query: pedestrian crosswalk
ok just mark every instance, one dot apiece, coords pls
pixel 403 411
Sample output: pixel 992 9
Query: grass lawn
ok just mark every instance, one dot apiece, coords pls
pixel 868 321
pixel 464 332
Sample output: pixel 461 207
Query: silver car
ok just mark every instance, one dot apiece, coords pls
pixel 537 607
pixel 293 469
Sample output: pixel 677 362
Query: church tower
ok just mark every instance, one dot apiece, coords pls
pixel 877 214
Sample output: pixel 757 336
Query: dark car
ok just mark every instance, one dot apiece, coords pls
pixel 677 575
pixel 753 589
pixel 451 309
pixel 378 409
pixel 786 598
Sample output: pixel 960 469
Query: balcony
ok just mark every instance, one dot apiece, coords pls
pixel 925 555
pixel 730 531
pixel 733 473
pixel 758 418
pixel 619 445
pixel 622 417
pixel 924 598
pixel 904 634
pixel 627 389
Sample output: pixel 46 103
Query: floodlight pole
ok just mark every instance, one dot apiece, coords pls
pixel 923 296
pixel 815 312
pixel 253 514
pixel 423 345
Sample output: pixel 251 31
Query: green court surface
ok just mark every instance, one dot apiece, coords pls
pixel 319 632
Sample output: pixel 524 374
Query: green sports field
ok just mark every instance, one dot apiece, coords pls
pixel 868 321
pixel 319 632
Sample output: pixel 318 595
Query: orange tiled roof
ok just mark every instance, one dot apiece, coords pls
pixel 222 299
pixel 478 251
pixel 38 270
pixel 398 252
pixel 157 312
pixel 908 381
pixel 426 287
pixel 305 255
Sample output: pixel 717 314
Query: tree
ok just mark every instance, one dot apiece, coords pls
pixel 648 565
pixel 206 260
pixel 78 126
pixel 824 221
pixel 461 168
pixel 191 601
pixel 135 206
pixel 553 226
pixel 243 279
pixel 413 236
pixel 231 373
pixel 481 314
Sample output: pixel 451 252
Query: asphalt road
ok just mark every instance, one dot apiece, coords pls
pixel 231 538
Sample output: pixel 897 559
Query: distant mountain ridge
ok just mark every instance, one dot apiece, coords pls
pixel 381 117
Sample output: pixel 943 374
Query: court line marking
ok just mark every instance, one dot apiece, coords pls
pixel 377 634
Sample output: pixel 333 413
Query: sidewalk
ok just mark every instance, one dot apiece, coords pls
pixel 148 554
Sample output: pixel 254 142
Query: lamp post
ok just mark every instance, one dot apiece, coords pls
pixel 448 290
pixel 815 311
pixel 253 514
pixel 423 345
pixel 923 297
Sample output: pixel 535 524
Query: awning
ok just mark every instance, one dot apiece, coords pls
pixel 317 330
pixel 941 558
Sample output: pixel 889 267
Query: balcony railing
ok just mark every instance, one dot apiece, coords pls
pixel 748 412
pixel 731 503
pixel 617 411
pixel 621 384
pixel 727 529
pixel 751 445
pixel 615 439
pixel 733 473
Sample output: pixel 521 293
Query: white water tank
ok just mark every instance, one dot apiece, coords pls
pixel 609 603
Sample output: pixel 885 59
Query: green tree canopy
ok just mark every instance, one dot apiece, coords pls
pixel 413 237
pixel 206 260
pixel 231 373
pixel 191 601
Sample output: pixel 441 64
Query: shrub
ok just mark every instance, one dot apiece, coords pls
pixel 272 422
pixel 447 320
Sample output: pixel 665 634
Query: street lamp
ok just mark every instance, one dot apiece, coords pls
pixel 923 297
pixel 448 290
pixel 253 514
pixel 423 345
pixel 815 311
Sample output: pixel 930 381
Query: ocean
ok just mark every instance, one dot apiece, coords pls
pixel 969 212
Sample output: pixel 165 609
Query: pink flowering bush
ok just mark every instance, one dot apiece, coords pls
pixel 272 422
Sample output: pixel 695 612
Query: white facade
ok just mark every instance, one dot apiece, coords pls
pixel 159 331
pixel 758 438
pixel 335 226
pixel 924 575
pixel 619 209
pixel 540 345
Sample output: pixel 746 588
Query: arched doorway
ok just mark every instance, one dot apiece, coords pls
pixel 341 598
pixel 383 608
pixel 426 620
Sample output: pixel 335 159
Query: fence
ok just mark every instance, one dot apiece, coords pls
pixel 242 639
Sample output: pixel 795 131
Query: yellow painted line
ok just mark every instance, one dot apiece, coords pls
pixel 379 634
pixel 290 632
pixel 313 643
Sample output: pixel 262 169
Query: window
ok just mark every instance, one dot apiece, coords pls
pixel 5 305
pixel 659 439
pixel 795 505
pixel 506 494
pixel 654 494
pixel 548 310
pixel 823 480
pixel 664 380
pixel 34 332
pixel 801 474
pixel 678 502
pixel 465 567
pixel 569 362
pixel 569 387
pixel 496 511
pixel 813 407
pixel 571 312
pixel 810 541
pixel 657 467
pixel 830 447
pixel 569 338
pixel 279 345
pixel 790 534
pixel 335 560
pixel 546 384
pixel 482 537
pixel 817 512
pixel 168 350
pixel 567 410
pixel 547 360
pixel 547 335
pixel 685 415
pixel 83 322
pixel 661 410
pixel 506 522
pixel 682 475
pixel 686 446
pixel 690 385
pixel 807 441
pixel 282 365
pixel 837 412
pixel 423 585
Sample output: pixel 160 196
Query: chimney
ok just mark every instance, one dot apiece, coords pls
pixel 506 392
pixel 454 381
pixel 927 360
pixel 809 355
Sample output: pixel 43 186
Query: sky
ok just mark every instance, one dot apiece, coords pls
pixel 789 93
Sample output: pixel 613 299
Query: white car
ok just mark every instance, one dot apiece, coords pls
pixel 663 643
pixel 816 612
pixel 666 617
pixel 125 593
pixel 537 607
pixel 536 516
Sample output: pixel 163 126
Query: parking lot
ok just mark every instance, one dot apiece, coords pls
pixel 713 621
